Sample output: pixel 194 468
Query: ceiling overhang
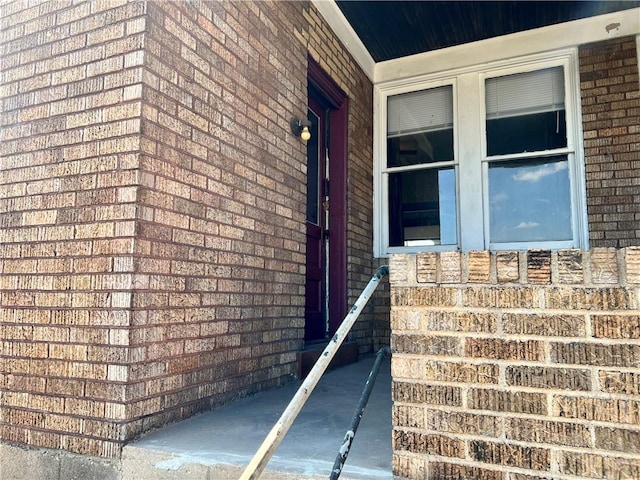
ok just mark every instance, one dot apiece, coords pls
pixel 437 55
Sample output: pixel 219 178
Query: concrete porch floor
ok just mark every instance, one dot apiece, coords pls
pixel 218 445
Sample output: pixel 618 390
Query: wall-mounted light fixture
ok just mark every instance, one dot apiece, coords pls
pixel 301 128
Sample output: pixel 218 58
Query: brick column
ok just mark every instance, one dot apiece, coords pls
pixel 71 90
pixel 516 364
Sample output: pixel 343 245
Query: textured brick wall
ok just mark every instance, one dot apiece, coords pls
pixel 516 365
pixel 71 106
pixel 611 123
pixel 218 306
pixel 152 210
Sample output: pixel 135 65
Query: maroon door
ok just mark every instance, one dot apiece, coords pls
pixel 316 279
pixel 326 281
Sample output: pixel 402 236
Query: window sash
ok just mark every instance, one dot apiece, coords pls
pixel 422 218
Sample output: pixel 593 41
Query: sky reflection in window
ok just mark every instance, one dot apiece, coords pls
pixel 529 200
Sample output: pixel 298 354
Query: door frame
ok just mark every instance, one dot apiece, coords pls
pixel 316 309
pixel 337 101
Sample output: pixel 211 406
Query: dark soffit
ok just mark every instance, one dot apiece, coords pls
pixel 393 29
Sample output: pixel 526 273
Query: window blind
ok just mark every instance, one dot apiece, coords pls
pixel 525 93
pixel 422 111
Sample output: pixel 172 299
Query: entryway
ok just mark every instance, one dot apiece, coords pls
pixel 326 261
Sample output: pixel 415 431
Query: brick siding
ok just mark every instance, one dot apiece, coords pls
pixel 524 365
pixel 218 306
pixel 611 124
pixel 71 90
pixel 516 364
pixel 152 203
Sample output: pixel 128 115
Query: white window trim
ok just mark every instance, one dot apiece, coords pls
pixel 469 81
pixel 381 221
pixel 638 52
pixel 515 45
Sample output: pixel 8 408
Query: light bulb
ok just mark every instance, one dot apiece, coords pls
pixel 306 134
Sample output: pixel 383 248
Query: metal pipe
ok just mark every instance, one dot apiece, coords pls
pixel 280 429
pixel 357 416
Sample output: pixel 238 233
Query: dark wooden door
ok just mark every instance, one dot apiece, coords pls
pixel 316 278
pixel 326 281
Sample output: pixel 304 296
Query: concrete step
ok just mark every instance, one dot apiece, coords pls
pixel 307 358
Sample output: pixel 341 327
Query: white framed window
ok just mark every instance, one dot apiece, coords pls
pixel 420 168
pixel 481 159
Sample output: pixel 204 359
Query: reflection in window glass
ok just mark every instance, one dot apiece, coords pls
pixel 419 148
pixel 529 200
pixel 422 208
pixel 420 127
pixel 313 171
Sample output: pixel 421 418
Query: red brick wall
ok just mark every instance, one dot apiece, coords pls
pixel 218 306
pixel 611 123
pixel 71 105
pixel 152 210
pixel 516 364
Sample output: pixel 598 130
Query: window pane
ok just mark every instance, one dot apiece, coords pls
pixel 420 148
pixel 422 208
pixel 420 127
pixel 529 201
pixel 313 170
pixel 526 133
pixel 525 93
pixel 526 112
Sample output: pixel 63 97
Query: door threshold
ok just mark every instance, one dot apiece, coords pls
pixel 315 345
pixel 307 358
